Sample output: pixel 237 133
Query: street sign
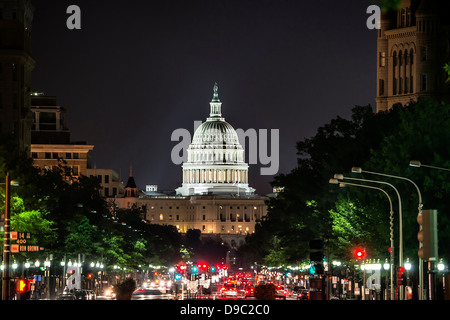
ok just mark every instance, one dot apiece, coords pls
pixel 15 248
pixel 20 237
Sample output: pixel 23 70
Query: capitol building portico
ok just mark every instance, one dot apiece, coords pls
pixel 215 158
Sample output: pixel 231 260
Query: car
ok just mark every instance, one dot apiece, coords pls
pixel 84 294
pixel 303 294
pixel 281 292
pixel 249 291
pixel 66 296
pixel 109 293
pixel 150 294
pixel 230 290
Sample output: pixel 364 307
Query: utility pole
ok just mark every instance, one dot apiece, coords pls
pixel 6 246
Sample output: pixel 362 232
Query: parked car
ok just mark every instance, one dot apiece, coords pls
pixel 150 294
pixel 85 294
pixel 303 294
pixel 66 296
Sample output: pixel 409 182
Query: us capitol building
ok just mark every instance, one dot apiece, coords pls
pixel 215 196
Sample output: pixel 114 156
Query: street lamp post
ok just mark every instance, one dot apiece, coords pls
pixel 400 251
pixel 417 163
pixel 359 170
pixel 391 218
pixel 7 236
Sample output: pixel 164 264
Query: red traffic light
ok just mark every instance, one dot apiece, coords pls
pixel 182 267
pixel 360 253
pixel 89 276
pixel 22 286
pixel 202 266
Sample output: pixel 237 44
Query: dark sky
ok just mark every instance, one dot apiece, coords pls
pixel 138 70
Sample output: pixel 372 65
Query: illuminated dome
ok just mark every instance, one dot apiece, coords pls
pixel 215 158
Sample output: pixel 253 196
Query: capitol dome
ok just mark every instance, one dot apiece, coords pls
pixel 215 158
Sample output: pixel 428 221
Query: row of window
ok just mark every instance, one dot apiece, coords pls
pixel 55 155
pixel 232 217
pixel 404 86
pixel 107 194
pixel 75 169
pixel 100 178
pixel 204 207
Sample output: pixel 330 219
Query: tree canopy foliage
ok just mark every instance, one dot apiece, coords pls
pixel 385 142
pixel 67 216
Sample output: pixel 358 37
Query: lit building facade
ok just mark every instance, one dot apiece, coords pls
pixel 50 138
pixel 215 158
pixel 413 45
pixel 215 196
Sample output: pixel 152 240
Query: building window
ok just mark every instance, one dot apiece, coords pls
pixel 204 217
pixel 106 192
pixel 55 155
pixel 75 170
pixel 76 155
pixel 161 216
pixel 382 61
pixel 106 178
pixel 423 82
pixel 34 155
pixel 380 87
pixel 48 155
pixel 423 53
pixel 68 155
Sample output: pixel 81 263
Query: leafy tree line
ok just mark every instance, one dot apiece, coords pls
pixel 68 217
pixel 310 207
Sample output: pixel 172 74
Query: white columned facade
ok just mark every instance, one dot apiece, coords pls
pixel 215 158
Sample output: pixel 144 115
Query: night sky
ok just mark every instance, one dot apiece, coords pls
pixel 138 70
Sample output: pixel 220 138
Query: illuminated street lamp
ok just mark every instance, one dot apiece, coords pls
pixel 441 265
pixel 343 184
pixel 418 164
pixel 359 170
pixel 407 265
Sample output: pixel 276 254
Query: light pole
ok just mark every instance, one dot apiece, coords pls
pixel 391 218
pixel 7 236
pixel 359 170
pixel 6 246
pixel 400 251
pixel 417 163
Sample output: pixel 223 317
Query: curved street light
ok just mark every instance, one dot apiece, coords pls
pixel 342 177
pixel 359 170
pixel 417 163
pixel 391 218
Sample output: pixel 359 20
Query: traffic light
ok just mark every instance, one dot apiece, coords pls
pixel 427 235
pixel 359 253
pixel 89 276
pixel 316 256
pixel 202 266
pixel 182 268
pixel 400 271
pixel 177 276
pixel 23 286
pixel 194 269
